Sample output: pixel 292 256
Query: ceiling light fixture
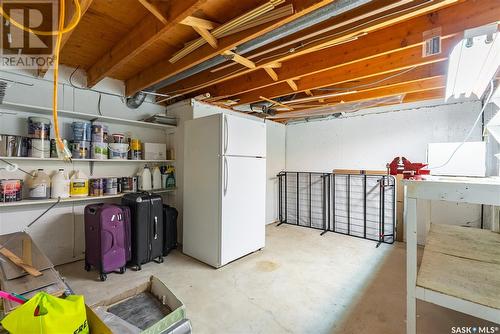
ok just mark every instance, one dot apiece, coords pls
pixel 473 63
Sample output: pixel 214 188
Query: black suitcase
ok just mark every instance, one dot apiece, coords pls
pixel 169 229
pixel 146 211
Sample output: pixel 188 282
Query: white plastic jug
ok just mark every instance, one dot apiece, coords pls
pixel 39 185
pixel 157 178
pixel 79 185
pixel 60 185
pixel 145 179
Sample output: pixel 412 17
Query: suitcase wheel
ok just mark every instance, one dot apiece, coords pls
pixel 123 270
pixel 87 267
pixel 103 277
pixel 138 267
pixel 160 259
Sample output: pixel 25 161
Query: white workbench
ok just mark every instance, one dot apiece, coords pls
pixel 460 267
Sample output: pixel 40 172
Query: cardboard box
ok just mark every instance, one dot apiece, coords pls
pixel 154 151
pixel 157 288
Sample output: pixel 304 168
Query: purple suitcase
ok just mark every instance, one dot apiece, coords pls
pixel 107 238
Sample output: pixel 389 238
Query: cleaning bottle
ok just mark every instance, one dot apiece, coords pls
pixel 39 185
pixel 60 185
pixel 145 179
pixel 79 185
pixel 157 178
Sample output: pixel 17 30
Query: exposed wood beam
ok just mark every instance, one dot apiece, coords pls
pixel 164 69
pixel 271 73
pixel 197 82
pixel 207 36
pixel 276 103
pixel 452 21
pixel 155 10
pixel 273 65
pixel 239 59
pixel 199 23
pixel 308 92
pixel 292 85
pixel 147 32
pixel 388 64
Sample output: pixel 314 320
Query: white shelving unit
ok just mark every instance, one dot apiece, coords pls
pixel 83 116
pixel 460 268
pixel 74 199
pixel 87 160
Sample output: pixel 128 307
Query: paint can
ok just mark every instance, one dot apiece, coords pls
pixel 39 148
pixel 11 190
pixel 111 186
pixel 118 151
pixel 135 149
pixel 99 133
pixel 81 131
pixel 53 147
pixel 13 146
pixel 119 138
pixel 96 187
pixel 99 150
pixel 80 149
pixel 39 128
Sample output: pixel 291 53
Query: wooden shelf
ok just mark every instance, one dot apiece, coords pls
pixel 460 266
pixel 74 199
pixel 88 117
pixel 87 160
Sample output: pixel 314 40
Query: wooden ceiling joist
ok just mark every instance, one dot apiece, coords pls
pixel 147 32
pixel 199 23
pixel 388 64
pixel 239 59
pixel 156 10
pixel 164 69
pixel 292 85
pixel 196 83
pixel 270 71
pixel 452 21
pixel 207 36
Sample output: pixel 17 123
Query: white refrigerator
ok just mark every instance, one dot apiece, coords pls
pixel 224 188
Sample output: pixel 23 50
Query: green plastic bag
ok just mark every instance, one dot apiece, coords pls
pixel 55 316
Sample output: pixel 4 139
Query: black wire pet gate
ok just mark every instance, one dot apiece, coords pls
pixel 362 206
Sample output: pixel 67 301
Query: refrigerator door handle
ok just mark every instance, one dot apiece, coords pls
pixel 226 134
pixel 226 175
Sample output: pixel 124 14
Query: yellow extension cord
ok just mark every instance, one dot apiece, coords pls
pixel 62 151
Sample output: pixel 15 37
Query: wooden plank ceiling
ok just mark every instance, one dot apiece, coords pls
pixel 370 52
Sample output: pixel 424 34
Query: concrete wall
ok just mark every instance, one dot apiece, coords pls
pixel 276 162
pixel 374 139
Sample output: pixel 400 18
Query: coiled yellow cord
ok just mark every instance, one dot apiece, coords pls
pixel 62 151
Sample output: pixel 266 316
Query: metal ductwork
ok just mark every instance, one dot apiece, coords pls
pixel 322 14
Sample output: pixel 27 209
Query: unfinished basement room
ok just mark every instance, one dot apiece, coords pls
pixel 250 167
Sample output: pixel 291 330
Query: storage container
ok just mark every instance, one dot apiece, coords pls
pixel 60 185
pixel 79 185
pixel 39 128
pixel 39 148
pixel 81 131
pixel 118 151
pixel 11 190
pixel 154 151
pixel 53 147
pixel 99 151
pixel 80 149
pixel 96 187
pixel 39 185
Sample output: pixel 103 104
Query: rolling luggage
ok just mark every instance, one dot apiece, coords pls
pixel 107 235
pixel 169 229
pixel 146 211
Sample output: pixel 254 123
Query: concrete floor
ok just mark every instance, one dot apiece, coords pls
pixel 300 283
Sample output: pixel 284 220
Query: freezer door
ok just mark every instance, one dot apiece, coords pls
pixel 243 206
pixel 243 137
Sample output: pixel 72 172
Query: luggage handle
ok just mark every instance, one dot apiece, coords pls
pixel 156 228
